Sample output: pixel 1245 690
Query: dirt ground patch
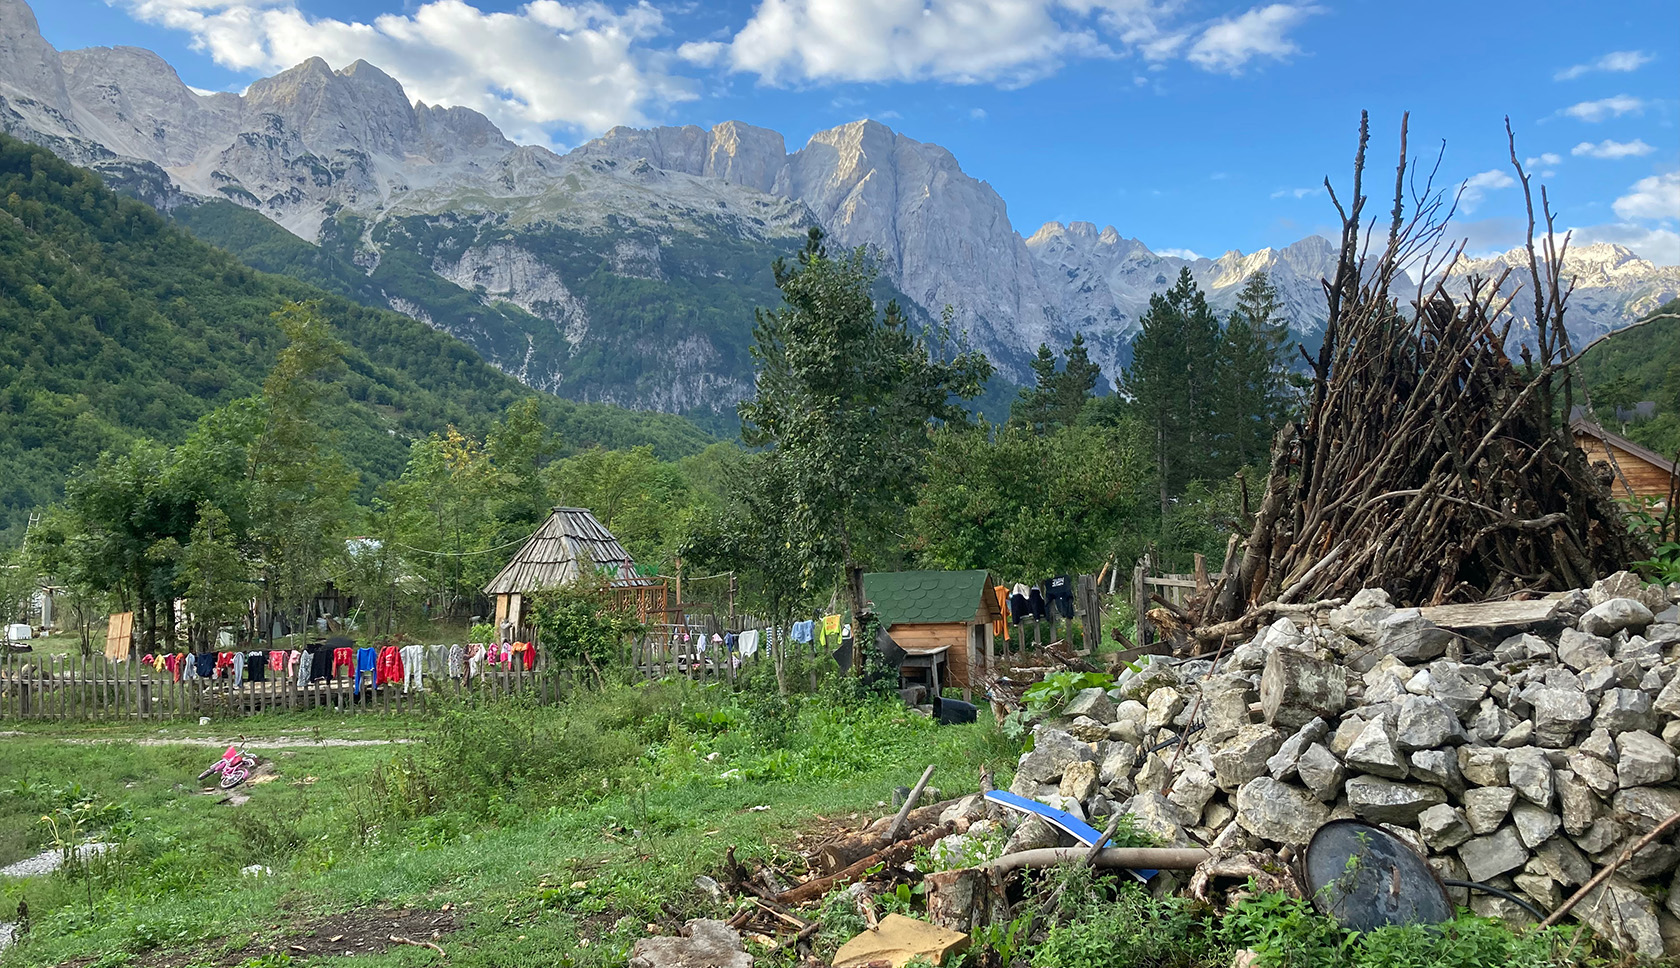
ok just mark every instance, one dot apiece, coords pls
pixel 363 931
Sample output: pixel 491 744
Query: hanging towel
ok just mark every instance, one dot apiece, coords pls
pixel 234 668
pixel 749 642
pixel 802 631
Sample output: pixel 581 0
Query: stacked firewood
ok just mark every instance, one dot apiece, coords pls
pixel 1429 463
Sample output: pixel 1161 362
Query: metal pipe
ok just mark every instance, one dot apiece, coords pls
pixel 1134 858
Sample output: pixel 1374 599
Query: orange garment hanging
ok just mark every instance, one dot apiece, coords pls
pixel 1001 626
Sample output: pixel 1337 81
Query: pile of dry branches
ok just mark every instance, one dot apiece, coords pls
pixel 1430 464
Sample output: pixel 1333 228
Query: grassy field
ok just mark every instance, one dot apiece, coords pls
pixel 546 835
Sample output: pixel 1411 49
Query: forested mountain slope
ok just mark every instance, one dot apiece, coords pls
pixel 116 324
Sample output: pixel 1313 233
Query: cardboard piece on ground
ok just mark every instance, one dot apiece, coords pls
pixel 898 941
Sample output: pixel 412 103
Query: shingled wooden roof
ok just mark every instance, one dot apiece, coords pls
pixel 571 543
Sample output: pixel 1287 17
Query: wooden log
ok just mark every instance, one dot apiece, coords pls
pixel 891 856
pixel 1491 615
pixel 1133 858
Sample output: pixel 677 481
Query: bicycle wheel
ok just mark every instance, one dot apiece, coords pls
pixel 233 776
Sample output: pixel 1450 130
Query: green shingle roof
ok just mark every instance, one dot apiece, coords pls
pixel 911 597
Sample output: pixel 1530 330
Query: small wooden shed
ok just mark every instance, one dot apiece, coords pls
pixel 1641 474
pixel 572 544
pixel 943 618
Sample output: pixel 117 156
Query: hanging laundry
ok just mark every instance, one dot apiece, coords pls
pixel 320 663
pixel 530 656
pixel 1035 603
pixel 475 660
pixel 233 668
pixel 278 662
pixel 457 662
pixel 366 662
pixel 389 666
pixel 345 657
pixel 749 642
pixel 831 631
pixel 437 660
pixel 1019 606
pixel 1059 590
pixel 413 660
pixel 173 662
pixel 205 663
pixel 189 668
pixel 1001 626
pixel 802 631
pixel 300 665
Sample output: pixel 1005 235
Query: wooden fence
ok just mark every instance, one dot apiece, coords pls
pixel 39 686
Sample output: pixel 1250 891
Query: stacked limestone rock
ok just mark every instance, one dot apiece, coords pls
pixel 1528 763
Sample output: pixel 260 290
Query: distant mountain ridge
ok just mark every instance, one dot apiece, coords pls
pixel 627 270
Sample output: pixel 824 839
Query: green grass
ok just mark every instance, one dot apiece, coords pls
pixel 543 827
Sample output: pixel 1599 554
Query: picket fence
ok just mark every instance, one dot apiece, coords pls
pixel 41 686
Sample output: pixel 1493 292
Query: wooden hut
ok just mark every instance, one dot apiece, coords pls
pixel 1641 474
pixel 941 619
pixel 571 545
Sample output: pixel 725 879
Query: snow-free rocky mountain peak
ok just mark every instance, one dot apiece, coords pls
pixel 627 269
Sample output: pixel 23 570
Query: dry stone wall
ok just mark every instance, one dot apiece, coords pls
pixel 1527 759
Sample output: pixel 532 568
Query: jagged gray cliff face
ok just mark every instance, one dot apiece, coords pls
pixel 627 270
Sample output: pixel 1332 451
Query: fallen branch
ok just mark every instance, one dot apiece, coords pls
pixel 1604 874
pixel 909 804
pixel 397 939
pixel 897 853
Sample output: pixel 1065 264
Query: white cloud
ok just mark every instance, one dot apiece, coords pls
pixel 1298 192
pixel 1476 187
pixel 1262 32
pixel 1544 159
pixel 1613 149
pixel 977 114
pixel 1179 254
pixel 583 65
pixel 1620 61
pixel 1008 42
pixel 1604 108
pixel 1657 196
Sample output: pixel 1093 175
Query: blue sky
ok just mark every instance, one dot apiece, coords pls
pixel 1190 124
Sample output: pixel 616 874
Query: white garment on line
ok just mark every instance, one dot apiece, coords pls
pixel 413 660
pixel 748 642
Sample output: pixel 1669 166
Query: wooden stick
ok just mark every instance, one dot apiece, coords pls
pixel 909 804
pixel 1138 858
pixel 818 886
pixel 1604 874
pixel 420 944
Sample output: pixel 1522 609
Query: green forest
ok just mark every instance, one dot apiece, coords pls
pixel 117 326
pixel 1637 366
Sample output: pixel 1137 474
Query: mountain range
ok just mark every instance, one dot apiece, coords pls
pixel 627 269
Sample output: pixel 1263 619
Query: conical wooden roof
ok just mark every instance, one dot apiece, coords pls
pixel 570 544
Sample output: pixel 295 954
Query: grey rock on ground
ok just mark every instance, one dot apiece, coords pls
pixel 1243 757
pixel 1296 688
pixel 704 944
pixel 1322 773
pixel 1485 808
pixel 1531 775
pixel 1614 615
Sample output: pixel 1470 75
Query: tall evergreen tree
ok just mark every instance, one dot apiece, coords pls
pixel 1255 381
pixel 1173 382
pixel 845 396
pixel 1076 383
pixel 1034 405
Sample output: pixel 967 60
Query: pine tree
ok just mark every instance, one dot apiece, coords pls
pixel 1255 381
pixel 1078 379
pixel 1034 405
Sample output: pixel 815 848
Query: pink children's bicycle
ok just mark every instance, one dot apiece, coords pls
pixel 235 768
